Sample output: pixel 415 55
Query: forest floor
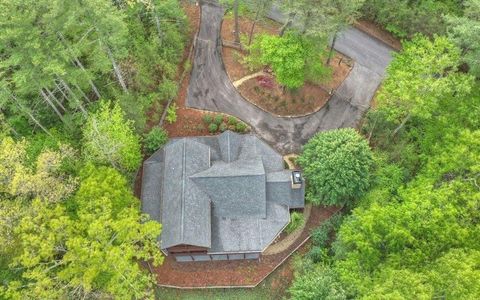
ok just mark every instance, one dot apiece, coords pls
pixel 263 90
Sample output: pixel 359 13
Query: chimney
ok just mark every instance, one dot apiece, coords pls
pixel 296 180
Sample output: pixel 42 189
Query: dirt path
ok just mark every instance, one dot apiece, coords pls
pixel 239 82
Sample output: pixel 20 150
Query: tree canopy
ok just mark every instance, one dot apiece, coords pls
pixel 337 166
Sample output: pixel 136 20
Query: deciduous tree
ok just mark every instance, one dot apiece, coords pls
pixel 109 139
pixel 337 166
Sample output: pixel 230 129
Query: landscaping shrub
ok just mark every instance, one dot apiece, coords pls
pixel 218 119
pixel 212 128
pixel 172 113
pixel 207 119
pixel 241 127
pixel 232 120
pixel 156 138
pixel 296 221
pixel 223 127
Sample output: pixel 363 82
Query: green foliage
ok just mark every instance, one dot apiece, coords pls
pixel 218 119
pixel 172 113
pixel 464 31
pixel 207 119
pixel 241 127
pixel 420 77
pixel 20 179
pixel 337 166
pixel 93 255
pixel 212 128
pixel 232 121
pixel 293 58
pixel 405 18
pixel 297 220
pixel 155 139
pixel 103 182
pixel 110 139
pixel 322 235
pixel 317 282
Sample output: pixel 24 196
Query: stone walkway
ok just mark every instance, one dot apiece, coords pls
pixel 210 88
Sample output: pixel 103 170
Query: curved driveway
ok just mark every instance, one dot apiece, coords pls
pixel 211 89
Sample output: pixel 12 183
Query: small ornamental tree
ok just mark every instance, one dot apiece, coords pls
pixel 293 58
pixel 110 139
pixel 336 165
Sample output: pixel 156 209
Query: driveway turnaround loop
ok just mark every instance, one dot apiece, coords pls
pixel 211 89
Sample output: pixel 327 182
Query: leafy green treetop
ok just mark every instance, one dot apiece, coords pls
pixel 293 58
pixel 420 76
pixel 110 139
pixel 464 31
pixel 93 251
pixel 336 165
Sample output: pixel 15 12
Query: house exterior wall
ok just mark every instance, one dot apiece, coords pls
pixel 190 257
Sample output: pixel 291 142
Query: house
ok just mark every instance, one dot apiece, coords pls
pixel 222 197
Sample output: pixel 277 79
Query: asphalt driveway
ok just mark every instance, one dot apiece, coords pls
pixel 210 88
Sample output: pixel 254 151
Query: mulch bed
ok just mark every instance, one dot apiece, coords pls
pixel 233 273
pixel 264 91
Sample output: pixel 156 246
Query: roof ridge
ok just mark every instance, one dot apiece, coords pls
pixel 182 235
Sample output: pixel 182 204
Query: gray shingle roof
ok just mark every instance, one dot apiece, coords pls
pixel 248 234
pixel 186 209
pixel 279 190
pixel 236 189
pixel 228 193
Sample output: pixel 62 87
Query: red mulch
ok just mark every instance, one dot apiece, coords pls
pixel 234 273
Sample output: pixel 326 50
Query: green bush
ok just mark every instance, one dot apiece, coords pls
pixel 218 119
pixel 223 127
pixel 172 113
pixel 207 119
pixel 296 221
pixel 232 121
pixel 167 90
pixel 241 127
pixel 156 138
pixel 212 128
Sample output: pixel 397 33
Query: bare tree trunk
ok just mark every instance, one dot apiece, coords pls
pixel 77 101
pixel 77 62
pixel 401 125
pixel 81 92
pixel 330 53
pixel 50 94
pixel 253 27
pixel 45 97
pixel 32 117
pixel 287 24
pixel 237 29
pixel 116 69
pixel 157 23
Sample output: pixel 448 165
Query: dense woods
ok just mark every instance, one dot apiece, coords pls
pixel 76 81
pixel 414 234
